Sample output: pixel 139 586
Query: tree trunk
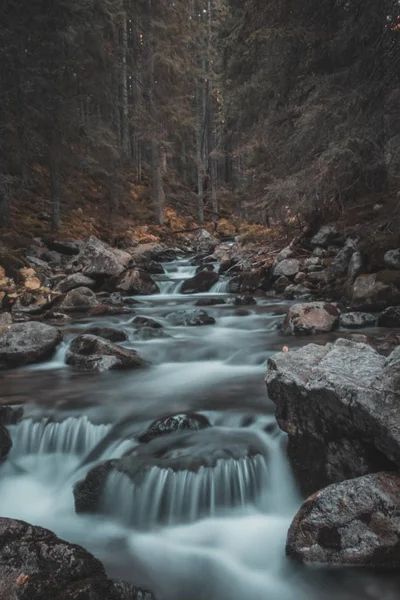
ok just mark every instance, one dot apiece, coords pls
pixel 55 190
pixel 124 87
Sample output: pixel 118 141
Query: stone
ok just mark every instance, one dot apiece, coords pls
pixel 202 241
pixel 153 267
pixel 209 301
pixel 356 320
pixel 281 284
pixel 288 268
pixel 320 252
pixel 145 334
pixel 317 277
pixel 140 322
pixel 284 254
pixel 340 264
pixel 202 282
pixel 245 300
pixel 333 395
pixel 190 318
pixel 80 299
pixel 250 281
pixel 374 292
pixel 100 261
pixel 355 267
pixel 296 291
pixel 109 310
pixel 73 281
pixel 167 425
pixel 313 261
pixel 311 318
pixel 326 236
pixel 5 320
pixel 63 247
pixel 355 523
pixel 108 333
pixel 390 317
pixel 26 343
pixel 300 277
pixel 392 259
pixel 37 565
pixel 137 282
pixel 92 353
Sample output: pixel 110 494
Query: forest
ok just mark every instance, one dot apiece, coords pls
pixel 256 109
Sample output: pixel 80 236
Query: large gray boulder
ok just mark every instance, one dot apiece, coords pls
pixel 91 353
pixel 339 405
pixel 354 523
pixel 37 565
pixel 80 299
pixel 137 282
pixel 310 318
pixel 100 261
pixel 26 343
pixel 288 267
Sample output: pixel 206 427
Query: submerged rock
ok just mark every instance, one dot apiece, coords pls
pixel 26 343
pixel 210 301
pixel 338 403
pixel 92 353
pixel 310 318
pixel 37 565
pixel 202 282
pixel 137 282
pixel 168 425
pixel 190 318
pixel 354 523
pixel 140 322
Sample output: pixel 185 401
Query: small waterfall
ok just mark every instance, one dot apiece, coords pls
pixel 167 497
pixel 72 436
pixel 170 287
pixel 221 287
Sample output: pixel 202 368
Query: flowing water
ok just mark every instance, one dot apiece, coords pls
pixel 208 523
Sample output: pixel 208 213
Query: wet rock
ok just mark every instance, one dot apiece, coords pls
pixel 37 565
pixel 342 391
pixel 288 268
pixel 354 523
pixel 108 333
pixel 326 236
pixel 242 312
pixel 202 282
pixel 67 248
pixel 310 318
pixel 341 262
pixel 190 318
pixel 25 343
pixel 109 310
pixel 392 259
pixel 139 322
pixel 151 266
pixel 11 415
pixel 281 284
pixel 375 291
pixel 168 425
pixel 100 261
pixel 210 301
pixel 137 282
pixel 73 281
pixel 80 299
pixel 390 317
pixel 203 241
pixel 5 442
pixel 245 300
pixel 145 334
pixel 127 591
pixel 92 353
pixel 250 281
pixel 356 320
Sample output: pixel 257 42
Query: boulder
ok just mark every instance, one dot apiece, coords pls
pixel 167 425
pixel 202 282
pixel 288 268
pixel 137 282
pixel 297 291
pixel 390 317
pixel 37 565
pixel 375 291
pixel 340 264
pixel 108 333
pixel 92 353
pixel 356 320
pixel 326 236
pixel 313 261
pixel 140 322
pixel 354 524
pixel 310 318
pixel 190 318
pixel 67 248
pixel 392 259
pixel 26 343
pixel 73 281
pixel 203 241
pixel 355 268
pixel 209 301
pixel 100 261
pixel 339 405
pixel 300 277
pixel 284 255
pixel 250 281
pixel 245 300
pixel 281 284
pixel 80 299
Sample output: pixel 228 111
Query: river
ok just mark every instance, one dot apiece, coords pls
pixel 214 533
